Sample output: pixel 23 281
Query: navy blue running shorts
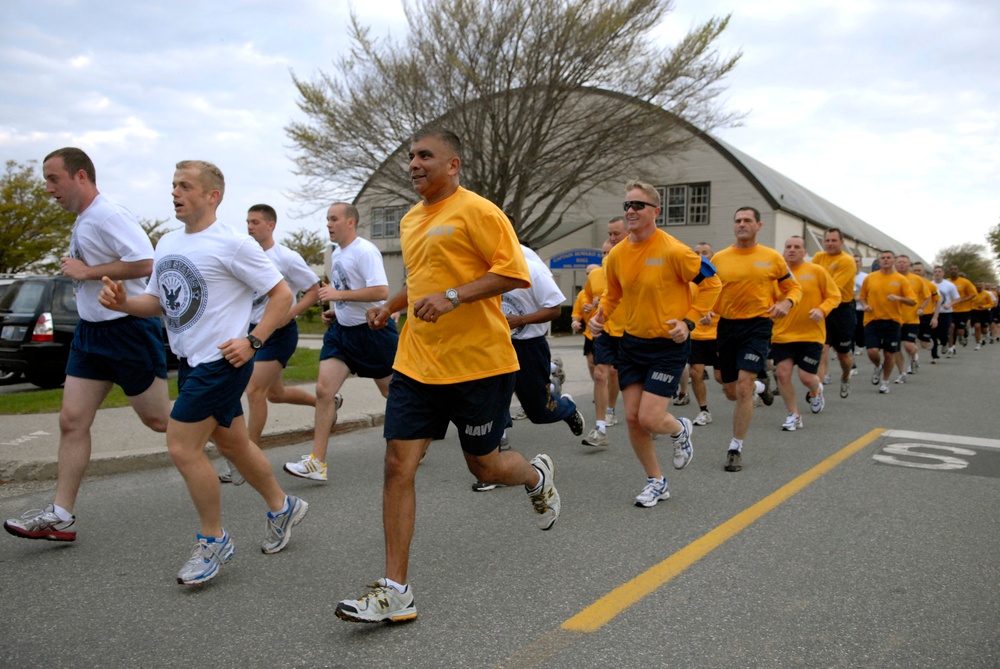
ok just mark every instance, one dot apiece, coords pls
pixel 280 345
pixel 210 390
pixel 606 349
pixel 655 363
pixel 805 354
pixel 366 352
pixel 743 345
pixel 128 351
pixel 883 334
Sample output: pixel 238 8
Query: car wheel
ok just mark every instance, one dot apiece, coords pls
pixel 9 378
pixel 49 380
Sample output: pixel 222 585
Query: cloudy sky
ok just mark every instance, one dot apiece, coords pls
pixel 888 108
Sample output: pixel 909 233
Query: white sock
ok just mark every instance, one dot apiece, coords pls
pixel 736 444
pixel 399 588
pixel 602 426
pixel 552 368
pixel 541 480
pixel 758 387
pixel 61 513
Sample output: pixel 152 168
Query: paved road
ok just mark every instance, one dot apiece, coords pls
pixel 801 560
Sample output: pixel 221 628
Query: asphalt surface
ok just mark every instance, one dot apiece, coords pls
pixel 845 544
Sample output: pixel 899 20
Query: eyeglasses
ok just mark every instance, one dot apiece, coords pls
pixel 638 205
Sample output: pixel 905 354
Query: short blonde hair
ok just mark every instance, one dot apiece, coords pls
pixel 648 189
pixel 209 175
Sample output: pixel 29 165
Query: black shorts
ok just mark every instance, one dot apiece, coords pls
pixel 883 334
pixel 480 409
pixel 588 346
pixel 924 333
pixel 655 363
pixel 805 354
pixel 704 352
pixel 606 349
pixel 909 332
pixel 280 345
pixel 981 317
pixel 840 327
pixel 366 352
pixel 128 351
pixel 743 345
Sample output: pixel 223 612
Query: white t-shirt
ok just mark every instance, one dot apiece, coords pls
pixel 529 254
pixel 948 293
pixel 859 279
pixel 205 282
pixel 542 294
pixel 105 232
pixel 356 266
pixel 295 272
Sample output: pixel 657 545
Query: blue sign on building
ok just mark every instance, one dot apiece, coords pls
pixel 575 259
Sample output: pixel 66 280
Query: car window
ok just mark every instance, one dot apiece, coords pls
pixel 63 298
pixel 23 297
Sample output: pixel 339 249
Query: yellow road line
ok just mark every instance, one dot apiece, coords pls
pixel 606 608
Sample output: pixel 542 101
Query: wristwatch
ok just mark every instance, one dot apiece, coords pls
pixel 690 323
pixel 254 342
pixel 452 295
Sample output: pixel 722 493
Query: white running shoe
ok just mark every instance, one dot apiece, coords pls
pixel 703 418
pixel 792 422
pixel 307 468
pixel 545 499
pixel 383 603
pixel 884 388
pixel 597 439
pixel 655 491
pixel 901 378
pixel 877 375
pixel 683 448
pixel 816 402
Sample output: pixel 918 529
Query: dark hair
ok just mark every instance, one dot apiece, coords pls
pixel 74 160
pixel 837 230
pixel 453 141
pixel 756 214
pixel 268 211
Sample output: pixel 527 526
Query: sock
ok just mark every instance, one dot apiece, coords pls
pixel 284 509
pixel 552 368
pixel 758 387
pixel 611 410
pixel 504 434
pixel 703 407
pixel 399 588
pixel 538 486
pixel 736 445
pixel 602 426
pixel 61 513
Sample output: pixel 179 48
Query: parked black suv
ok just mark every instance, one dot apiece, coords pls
pixel 37 319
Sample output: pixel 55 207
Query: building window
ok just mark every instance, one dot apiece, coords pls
pixel 684 204
pixel 385 221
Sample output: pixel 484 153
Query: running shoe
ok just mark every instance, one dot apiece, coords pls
pixel 205 560
pixel 655 491
pixel 230 474
pixel 683 448
pixel 576 422
pixel 884 388
pixel 734 461
pixel 901 378
pixel 682 400
pixel 767 396
pixel 483 486
pixel 42 524
pixel 877 375
pixel 338 401
pixel 826 379
pixel 845 389
pixel 279 527
pixel 504 444
pixel 307 468
pixel 545 498
pixel 383 604
pixel 596 439
pixel 816 402
pixel 519 414
pixel 610 419
pixel 792 423
pixel 559 373
pixel 703 418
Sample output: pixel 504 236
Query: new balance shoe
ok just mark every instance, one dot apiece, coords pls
pixel 209 554
pixel 545 498
pixel 734 461
pixel 877 375
pixel 596 439
pixel 576 422
pixel 230 474
pixel 655 491
pixel 279 526
pixel 42 524
pixel 383 604
pixel 703 418
pixel 307 468
pixel 683 448
pixel 792 422
pixel 816 402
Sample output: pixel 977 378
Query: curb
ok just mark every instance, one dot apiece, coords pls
pixel 120 462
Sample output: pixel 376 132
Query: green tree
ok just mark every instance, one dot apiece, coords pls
pixel 34 230
pixel 307 243
pixel 972 259
pixel 154 228
pixel 552 99
pixel 993 238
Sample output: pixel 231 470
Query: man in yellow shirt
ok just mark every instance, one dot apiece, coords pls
pixel 605 353
pixel 840 321
pixel 909 331
pixel 747 309
pixel 882 295
pixel 797 339
pixel 962 306
pixel 648 275
pixel 704 349
pixel 455 362
pixel 929 314
pixel 982 306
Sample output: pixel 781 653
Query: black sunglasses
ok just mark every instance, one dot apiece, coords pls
pixel 638 205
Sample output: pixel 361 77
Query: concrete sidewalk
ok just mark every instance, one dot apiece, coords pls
pixel 29 444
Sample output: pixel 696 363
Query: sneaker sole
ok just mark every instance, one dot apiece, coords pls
pixel 398 618
pixel 46 535
pixel 213 574
pixel 311 476
pixel 656 500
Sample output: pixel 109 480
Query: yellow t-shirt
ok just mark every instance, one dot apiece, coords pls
pixel 843 270
pixel 983 301
pixel 935 296
pixel 581 299
pixel 649 280
pixel 965 289
pixel 597 284
pixel 704 332
pixel 446 245
pixel 920 293
pixel 818 290
pixel 875 292
pixel 746 276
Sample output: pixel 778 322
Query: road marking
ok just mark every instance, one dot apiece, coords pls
pixel 25 438
pixel 621 598
pixel 944 438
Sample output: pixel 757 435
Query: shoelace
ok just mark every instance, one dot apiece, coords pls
pixel 652 488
